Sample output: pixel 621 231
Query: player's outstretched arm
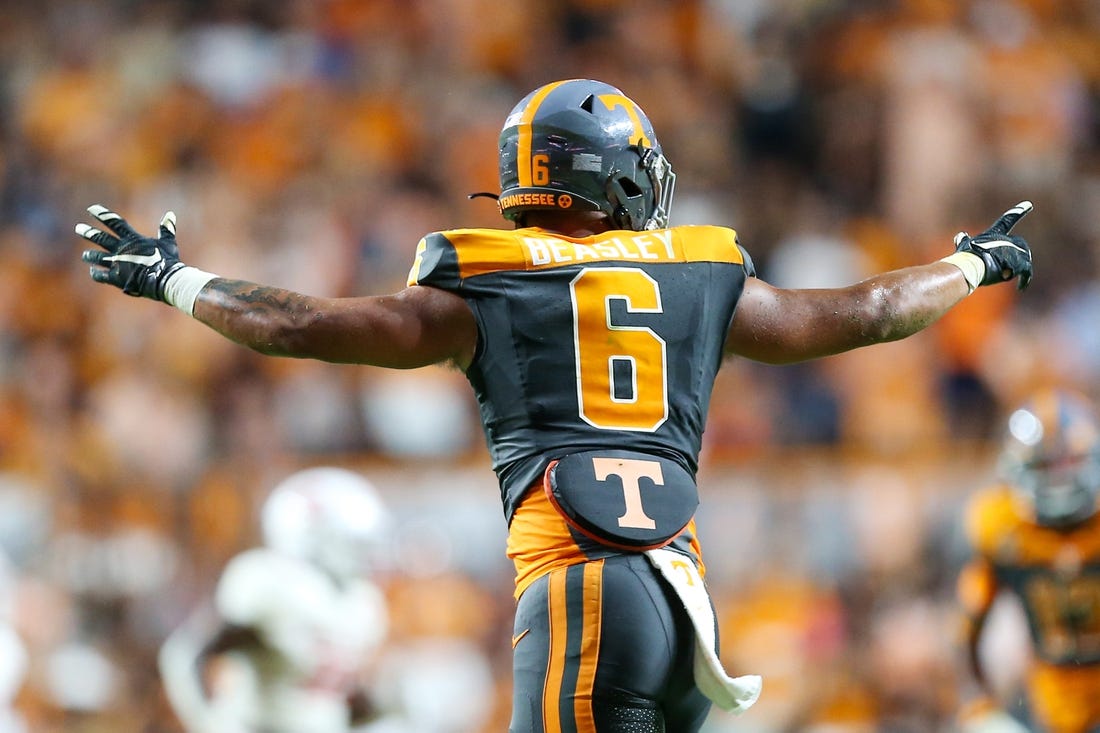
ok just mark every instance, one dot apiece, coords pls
pixel 779 326
pixel 415 327
pixel 180 665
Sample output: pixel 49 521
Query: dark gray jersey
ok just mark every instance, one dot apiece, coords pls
pixel 608 341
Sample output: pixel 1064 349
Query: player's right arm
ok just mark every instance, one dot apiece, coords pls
pixel 233 621
pixel 778 326
pixel 976 590
pixel 989 519
pixel 183 661
pixel 415 327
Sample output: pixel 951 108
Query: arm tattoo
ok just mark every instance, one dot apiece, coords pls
pixel 261 298
pixel 266 319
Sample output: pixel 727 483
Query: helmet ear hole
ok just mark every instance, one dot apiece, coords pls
pixel 628 201
pixel 630 188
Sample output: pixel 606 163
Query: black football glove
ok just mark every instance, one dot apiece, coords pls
pixel 139 265
pixel 1005 256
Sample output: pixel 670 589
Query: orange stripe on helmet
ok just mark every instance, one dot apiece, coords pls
pixel 523 150
pixel 1047 407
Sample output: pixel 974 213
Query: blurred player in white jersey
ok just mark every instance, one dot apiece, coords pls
pixel 296 621
pixel 14 658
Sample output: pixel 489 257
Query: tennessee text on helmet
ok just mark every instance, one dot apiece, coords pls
pixel 582 145
pixel 1051 454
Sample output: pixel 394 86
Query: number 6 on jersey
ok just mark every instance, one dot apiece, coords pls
pixel 621 375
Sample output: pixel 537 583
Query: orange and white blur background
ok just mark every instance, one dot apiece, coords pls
pixel 310 143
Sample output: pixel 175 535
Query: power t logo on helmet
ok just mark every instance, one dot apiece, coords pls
pixel 583 145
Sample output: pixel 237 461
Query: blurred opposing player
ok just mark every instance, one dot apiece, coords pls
pixel 295 620
pixel 1037 535
pixel 14 658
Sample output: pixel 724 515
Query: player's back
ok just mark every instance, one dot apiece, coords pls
pixel 611 340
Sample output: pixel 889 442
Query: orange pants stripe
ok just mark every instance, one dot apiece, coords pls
pixel 575 605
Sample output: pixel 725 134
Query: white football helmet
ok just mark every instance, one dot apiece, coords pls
pixel 332 517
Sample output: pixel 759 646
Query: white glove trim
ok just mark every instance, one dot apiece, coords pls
pixel 144 260
pixel 972 266
pixel 183 286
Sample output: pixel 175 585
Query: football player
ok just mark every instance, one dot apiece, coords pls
pixel 14 655
pixel 295 621
pixel 591 334
pixel 1036 535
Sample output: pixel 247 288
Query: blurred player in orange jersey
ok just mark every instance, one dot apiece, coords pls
pixel 591 333
pixel 1037 535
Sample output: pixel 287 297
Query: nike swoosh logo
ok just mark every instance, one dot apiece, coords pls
pixel 1007 244
pixel 516 639
pixel 146 260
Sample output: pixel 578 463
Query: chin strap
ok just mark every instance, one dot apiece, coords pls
pixel 483 194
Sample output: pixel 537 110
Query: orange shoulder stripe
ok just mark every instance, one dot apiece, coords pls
pixel 484 251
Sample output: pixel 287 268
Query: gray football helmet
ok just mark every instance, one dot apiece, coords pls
pixel 1051 453
pixel 582 145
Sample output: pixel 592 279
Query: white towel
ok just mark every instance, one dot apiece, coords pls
pixel 733 694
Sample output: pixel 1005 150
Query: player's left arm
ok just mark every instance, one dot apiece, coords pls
pixel 415 327
pixel 778 326
pixel 783 326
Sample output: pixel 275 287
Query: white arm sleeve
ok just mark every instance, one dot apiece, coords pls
pixel 177 661
pixel 13 664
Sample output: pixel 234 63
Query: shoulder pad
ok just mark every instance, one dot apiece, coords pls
pixel 991 515
pixel 250 585
pixel 446 259
pixel 750 268
pixel 435 263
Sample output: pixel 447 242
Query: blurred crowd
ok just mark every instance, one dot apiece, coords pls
pixel 311 143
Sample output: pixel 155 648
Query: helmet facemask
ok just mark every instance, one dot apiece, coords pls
pixel 1052 456
pixel 1062 494
pixel 656 165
